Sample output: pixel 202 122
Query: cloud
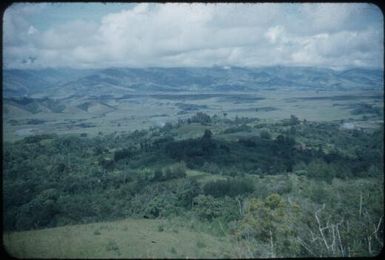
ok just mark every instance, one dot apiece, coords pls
pixel 171 35
pixel 273 33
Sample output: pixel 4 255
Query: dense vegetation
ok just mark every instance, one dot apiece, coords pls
pixel 290 188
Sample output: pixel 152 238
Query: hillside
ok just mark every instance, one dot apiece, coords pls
pixel 59 83
pixel 129 238
pixel 256 182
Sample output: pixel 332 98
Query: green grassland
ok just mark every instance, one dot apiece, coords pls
pixel 82 115
pixel 129 238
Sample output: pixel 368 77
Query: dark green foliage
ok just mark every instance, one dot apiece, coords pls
pixel 122 154
pixel 247 154
pixel 193 151
pixel 265 135
pixel 106 163
pixel 294 120
pixel 229 187
pixel 174 171
pixel 54 180
pixel 38 138
pixel 236 129
pixel 365 109
pixel 201 118
pixel 187 191
pixel 207 207
pixel 39 212
pixel 158 175
pixel 167 127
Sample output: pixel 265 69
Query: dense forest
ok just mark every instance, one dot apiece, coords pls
pixel 289 188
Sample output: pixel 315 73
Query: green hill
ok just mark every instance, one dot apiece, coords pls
pixel 130 238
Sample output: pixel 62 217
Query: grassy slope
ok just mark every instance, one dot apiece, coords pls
pixel 130 238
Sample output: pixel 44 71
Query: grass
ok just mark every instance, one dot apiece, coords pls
pixel 201 244
pixel 130 238
pixel 203 177
pixel 173 250
pixel 130 115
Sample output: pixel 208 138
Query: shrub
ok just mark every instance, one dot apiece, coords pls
pixel 265 135
pixel 174 171
pixel 200 244
pixel 172 250
pixel 122 154
pixel 229 187
pixel 112 246
pixel 200 117
pixel 161 228
pixel 207 207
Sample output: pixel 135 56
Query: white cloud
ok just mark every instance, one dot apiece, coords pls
pixel 273 33
pixel 32 30
pixel 200 35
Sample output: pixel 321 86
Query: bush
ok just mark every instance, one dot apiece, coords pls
pixel 265 135
pixel 207 207
pixel 319 169
pixel 160 228
pixel 236 129
pixel 172 250
pixel 200 244
pixel 122 154
pixel 186 192
pixel 177 170
pixel 201 118
pixel 174 171
pixel 112 246
pixel 229 187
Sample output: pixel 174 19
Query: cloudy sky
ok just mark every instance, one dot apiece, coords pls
pixel 92 35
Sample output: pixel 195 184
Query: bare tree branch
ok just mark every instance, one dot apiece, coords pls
pixel 272 244
pixel 320 228
pixel 305 246
pixel 360 211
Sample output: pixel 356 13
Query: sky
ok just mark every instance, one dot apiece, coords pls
pixel 96 35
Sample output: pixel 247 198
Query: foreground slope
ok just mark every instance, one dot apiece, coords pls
pixel 130 238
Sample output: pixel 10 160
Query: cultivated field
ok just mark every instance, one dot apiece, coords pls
pixel 130 112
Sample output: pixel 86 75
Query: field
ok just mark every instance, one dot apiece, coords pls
pixel 127 113
pixel 129 238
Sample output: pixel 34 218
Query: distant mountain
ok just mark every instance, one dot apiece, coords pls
pixel 19 83
pixel 36 105
pixel 119 81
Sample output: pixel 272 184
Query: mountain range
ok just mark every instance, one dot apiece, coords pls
pixel 61 83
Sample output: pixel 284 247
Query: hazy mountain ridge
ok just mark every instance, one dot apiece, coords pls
pixel 67 82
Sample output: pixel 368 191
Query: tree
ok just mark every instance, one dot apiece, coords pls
pixel 187 191
pixel 207 207
pixel 319 169
pixel 207 143
pixel 265 135
pixel 158 175
pixel 39 212
pixel 294 120
pixel 201 118
pixel 229 187
pixel 207 135
pixel 122 154
pixel 270 221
